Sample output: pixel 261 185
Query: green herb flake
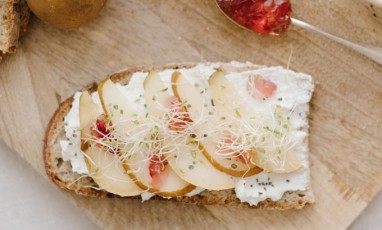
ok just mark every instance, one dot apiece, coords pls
pixel 237 113
pixel 136 122
pixel 278 150
pixel 165 89
pixel 260 150
pixel 193 153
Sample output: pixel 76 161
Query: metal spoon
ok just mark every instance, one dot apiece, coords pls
pixel 372 52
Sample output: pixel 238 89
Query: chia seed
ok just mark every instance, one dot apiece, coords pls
pixel 115 106
pixel 190 167
pixel 287 181
pixel 234 166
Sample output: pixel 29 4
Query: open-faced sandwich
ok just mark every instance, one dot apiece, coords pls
pixel 233 134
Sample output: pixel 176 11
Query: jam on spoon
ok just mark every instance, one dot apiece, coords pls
pixel 262 16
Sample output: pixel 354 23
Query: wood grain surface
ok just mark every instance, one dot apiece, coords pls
pixel 346 111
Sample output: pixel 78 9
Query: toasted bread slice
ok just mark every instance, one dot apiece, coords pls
pixel 61 173
pixel 14 17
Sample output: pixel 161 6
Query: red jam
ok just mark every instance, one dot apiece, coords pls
pixel 260 88
pixel 179 118
pixel 102 127
pixel 155 166
pixel 262 16
pixel 227 146
pixel 158 171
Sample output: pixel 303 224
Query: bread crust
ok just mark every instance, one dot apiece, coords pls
pixel 17 18
pixel 290 200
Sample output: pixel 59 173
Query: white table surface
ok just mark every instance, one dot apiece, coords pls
pixel 28 201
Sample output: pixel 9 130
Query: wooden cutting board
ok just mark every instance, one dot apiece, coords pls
pixel 346 111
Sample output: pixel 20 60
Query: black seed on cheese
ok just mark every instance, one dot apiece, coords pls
pixel 190 167
pixel 234 166
pixel 115 107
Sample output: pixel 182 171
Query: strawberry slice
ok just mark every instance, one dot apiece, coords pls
pixel 260 88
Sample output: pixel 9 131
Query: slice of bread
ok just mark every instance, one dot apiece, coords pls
pixel 14 17
pixel 61 173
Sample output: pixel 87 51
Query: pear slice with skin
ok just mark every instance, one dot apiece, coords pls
pixel 136 156
pixel 227 102
pixel 192 166
pixel 104 167
pixel 203 105
pixel 187 161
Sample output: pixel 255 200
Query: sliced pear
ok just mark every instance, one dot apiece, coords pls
pixel 107 171
pixel 88 115
pixel 126 123
pixel 227 100
pixel 284 163
pixel 192 166
pixel 156 95
pixel 228 103
pixel 203 105
pixel 104 167
pixel 203 174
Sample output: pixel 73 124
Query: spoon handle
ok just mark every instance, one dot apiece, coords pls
pixel 374 53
